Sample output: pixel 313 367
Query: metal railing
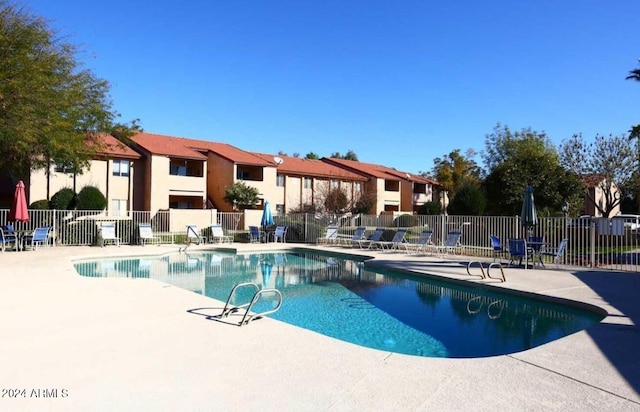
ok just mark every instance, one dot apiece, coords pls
pixel 589 243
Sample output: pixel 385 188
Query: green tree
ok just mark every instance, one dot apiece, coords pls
pixel 430 208
pixel 454 169
pixel 517 159
pixel 312 156
pixel 468 200
pixel 50 106
pixel 608 163
pixel 240 195
pixel 350 155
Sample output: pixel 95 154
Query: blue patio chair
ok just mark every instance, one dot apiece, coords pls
pixel 255 235
pixel 496 245
pixel 556 254
pixel 8 236
pixel 280 234
pixel 39 237
pixel 518 250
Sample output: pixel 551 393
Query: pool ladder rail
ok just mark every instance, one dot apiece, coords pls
pixel 248 316
pixel 487 275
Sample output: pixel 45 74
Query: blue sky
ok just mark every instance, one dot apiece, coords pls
pixel 398 82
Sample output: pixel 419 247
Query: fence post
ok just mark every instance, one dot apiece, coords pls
pixel 55 227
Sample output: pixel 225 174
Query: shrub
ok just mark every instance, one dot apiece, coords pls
pixel 62 199
pixel 430 208
pixel 406 221
pixel 42 204
pixel 91 198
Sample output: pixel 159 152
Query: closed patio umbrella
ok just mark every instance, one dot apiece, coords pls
pixel 267 217
pixel 19 211
pixel 528 216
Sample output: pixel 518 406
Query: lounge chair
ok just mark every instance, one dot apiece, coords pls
pixel 375 238
pixel 218 236
pixel 556 254
pixel 255 235
pixel 8 236
pixel 358 236
pixel 146 234
pixel 108 232
pixel 424 241
pixel 518 250
pixel 39 237
pixel 395 243
pixel 451 243
pixel 330 236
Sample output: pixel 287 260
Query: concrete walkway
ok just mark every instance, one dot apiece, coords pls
pixel 69 343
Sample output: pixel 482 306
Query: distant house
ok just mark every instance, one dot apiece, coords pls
pixel 394 190
pixel 110 170
pixel 597 193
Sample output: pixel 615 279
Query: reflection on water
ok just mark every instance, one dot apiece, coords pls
pixel 381 309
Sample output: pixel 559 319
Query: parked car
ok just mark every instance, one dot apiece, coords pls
pixel 631 222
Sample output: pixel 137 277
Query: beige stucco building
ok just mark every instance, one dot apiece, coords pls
pixel 111 170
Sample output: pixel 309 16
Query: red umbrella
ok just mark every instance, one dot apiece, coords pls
pixel 19 211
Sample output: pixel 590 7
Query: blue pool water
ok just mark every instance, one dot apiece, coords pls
pixel 339 297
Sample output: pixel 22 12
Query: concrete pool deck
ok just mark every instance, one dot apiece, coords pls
pixel 107 344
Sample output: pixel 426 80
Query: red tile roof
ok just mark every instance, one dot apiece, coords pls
pixel 192 149
pixel 378 171
pixel 112 147
pixel 231 153
pixel 157 144
pixel 310 167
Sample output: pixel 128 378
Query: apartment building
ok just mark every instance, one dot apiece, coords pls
pixel 301 183
pixel 394 190
pixel 111 170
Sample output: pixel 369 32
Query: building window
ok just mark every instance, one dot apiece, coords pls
pixel 181 167
pixel 118 207
pixel 280 180
pixel 335 184
pixel 308 182
pixel 280 209
pixel 121 168
pixel 357 187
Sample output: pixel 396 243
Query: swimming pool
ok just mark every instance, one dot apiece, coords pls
pixel 339 297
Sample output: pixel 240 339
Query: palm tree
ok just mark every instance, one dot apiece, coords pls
pixel 634 74
pixel 634 132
